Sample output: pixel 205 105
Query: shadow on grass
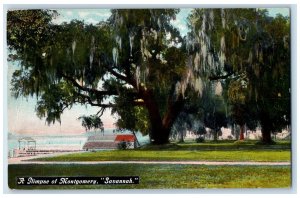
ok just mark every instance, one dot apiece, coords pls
pixel 220 145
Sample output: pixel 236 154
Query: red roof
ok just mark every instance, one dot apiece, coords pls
pixel 126 138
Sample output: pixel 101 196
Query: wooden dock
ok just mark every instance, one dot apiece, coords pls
pixel 34 152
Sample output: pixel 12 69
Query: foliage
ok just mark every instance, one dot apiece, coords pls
pixel 209 111
pixel 233 66
pixel 129 64
pixel 30 28
pixel 132 118
pixel 187 120
pixel 92 122
pixel 251 51
pixel 200 139
pixel 215 112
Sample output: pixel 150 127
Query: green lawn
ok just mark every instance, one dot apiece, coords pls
pixel 163 176
pixel 141 155
pixel 190 151
pixel 157 176
pixel 221 145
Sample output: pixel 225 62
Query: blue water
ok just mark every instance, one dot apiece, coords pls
pixel 52 142
pixel 65 142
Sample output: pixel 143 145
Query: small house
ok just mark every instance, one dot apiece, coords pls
pixel 100 142
pixel 110 142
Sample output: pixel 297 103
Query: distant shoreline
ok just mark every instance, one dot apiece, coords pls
pixel 84 133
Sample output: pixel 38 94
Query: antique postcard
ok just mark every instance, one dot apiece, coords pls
pixel 181 98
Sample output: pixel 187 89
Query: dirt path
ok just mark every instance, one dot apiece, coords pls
pixel 21 160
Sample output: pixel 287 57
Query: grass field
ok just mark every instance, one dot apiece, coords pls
pixel 165 176
pixel 221 145
pixel 143 155
pixel 162 176
pixel 189 151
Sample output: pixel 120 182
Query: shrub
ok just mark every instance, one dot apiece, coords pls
pixel 264 143
pixel 230 137
pixel 240 142
pixel 200 139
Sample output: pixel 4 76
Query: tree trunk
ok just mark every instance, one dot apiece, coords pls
pixel 215 135
pixel 157 133
pixel 266 135
pixel 266 129
pixel 235 130
pixel 181 139
pixel 242 132
pixel 161 128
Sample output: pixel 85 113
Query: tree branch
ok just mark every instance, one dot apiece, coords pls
pixel 220 77
pixel 100 112
pixel 95 91
pixel 89 100
pixel 127 79
pixel 118 75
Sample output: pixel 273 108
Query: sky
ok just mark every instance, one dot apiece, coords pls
pixel 22 118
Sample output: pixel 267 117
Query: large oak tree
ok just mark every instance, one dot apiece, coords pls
pixel 131 64
pixel 137 65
